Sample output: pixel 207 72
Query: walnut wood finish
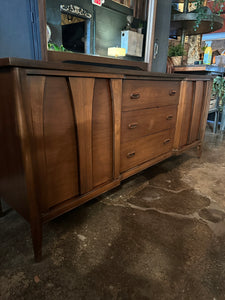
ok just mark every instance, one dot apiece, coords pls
pixel 77 57
pixel 56 141
pixel 65 139
pixel 139 123
pixel 140 150
pixel 116 94
pixel 82 95
pixel 139 94
pixel 102 133
pixel 12 176
pixel 192 114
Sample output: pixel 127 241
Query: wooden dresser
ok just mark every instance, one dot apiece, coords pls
pixel 70 132
pixel 149 110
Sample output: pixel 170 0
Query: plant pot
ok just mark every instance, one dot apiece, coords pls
pixel 177 60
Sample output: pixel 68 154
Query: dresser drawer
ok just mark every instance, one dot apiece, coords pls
pixel 136 124
pixel 138 94
pixel 146 148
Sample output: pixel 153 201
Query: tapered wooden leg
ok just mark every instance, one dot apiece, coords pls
pixel 199 151
pixel 1 209
pixel 36 232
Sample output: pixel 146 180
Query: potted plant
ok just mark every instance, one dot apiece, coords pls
pixel 140 27
pixel 176 52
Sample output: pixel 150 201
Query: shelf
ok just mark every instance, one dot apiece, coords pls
pixel 187 21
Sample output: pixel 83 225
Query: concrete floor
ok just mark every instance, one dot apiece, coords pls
pixel 161 235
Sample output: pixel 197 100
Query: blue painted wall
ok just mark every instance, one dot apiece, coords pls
pixel 19 29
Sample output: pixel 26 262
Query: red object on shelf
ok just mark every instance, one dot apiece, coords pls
pixel 98 2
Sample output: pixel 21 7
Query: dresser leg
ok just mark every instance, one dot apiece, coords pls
pixel 36 233
pixel 1 209
pixel 199 151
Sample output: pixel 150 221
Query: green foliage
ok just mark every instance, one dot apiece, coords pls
pixel 219 89
pixel 202 11
pixel 140 25
pixel 176 50
pixel 203 48
pixel 55 47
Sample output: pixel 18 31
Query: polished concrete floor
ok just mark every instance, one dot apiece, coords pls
pixel 161 235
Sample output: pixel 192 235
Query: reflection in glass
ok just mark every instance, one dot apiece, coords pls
pixel 81 27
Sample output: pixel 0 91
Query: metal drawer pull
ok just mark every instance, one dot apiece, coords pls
pixel 135 96
pixel 132 125
pixel 166 141
pixel 172 92
pixel 169 117
pixel 131 154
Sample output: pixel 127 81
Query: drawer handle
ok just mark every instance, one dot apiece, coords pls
pixel 169 117
pixel 166 141
pixel 131 154
pixel 172 92
pixel 135 96
pixel 133 125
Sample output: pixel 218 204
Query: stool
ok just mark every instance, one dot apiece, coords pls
pixel 216 118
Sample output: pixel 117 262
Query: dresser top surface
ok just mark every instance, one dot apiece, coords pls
pixel 74 66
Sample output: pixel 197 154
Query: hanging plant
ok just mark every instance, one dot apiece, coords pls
pixel 219 89
pixel 203 11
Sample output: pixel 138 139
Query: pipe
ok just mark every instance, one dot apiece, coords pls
pixel 186 2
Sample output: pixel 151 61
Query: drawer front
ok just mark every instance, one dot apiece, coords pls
pixel 146 148
pixel 136 124
pixel 138 94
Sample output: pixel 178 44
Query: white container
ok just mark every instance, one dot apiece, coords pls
pixel 220 60
pixel 133 42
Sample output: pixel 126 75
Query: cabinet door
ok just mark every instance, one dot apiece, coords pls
pixel 75 134
pixel 54 139
pixel 94 100
pixel 192 113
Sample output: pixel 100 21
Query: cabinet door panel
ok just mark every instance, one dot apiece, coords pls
pixel 93 109
pixel 187 115
pixel 102 134
pixel 82 93
pixel 54 138
pixel 191 113
pixel 197 112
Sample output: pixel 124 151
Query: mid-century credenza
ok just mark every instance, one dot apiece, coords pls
pixel 69 133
